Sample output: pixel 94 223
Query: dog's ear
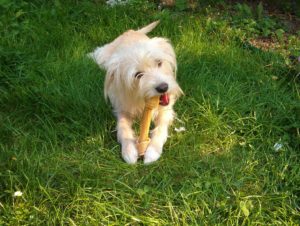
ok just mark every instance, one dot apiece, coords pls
pixel 149 27
pixel 101 55
pixel 166 50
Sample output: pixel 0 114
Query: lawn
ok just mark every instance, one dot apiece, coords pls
pixel 57 134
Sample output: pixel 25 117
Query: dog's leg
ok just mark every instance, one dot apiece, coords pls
pixel 127 139
pixel 159 135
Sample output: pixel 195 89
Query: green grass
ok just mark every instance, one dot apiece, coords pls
pixel 58 144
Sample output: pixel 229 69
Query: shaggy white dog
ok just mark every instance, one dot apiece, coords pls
pixel 138 68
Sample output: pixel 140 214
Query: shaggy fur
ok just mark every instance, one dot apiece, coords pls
pixel 138 67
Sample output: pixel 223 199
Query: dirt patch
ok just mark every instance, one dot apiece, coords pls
pixel 264 43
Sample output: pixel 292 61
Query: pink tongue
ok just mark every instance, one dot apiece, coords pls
pixel 164 99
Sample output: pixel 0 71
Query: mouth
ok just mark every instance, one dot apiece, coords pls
pixel 164 99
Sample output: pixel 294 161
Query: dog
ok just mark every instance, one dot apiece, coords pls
pixel 137 68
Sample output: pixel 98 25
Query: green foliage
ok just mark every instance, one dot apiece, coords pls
pixel 181 5
pixel 244 10
pixel 279 34
pixel 254 21
pixel 260 11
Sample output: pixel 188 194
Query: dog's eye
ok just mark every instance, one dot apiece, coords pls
pixel 159 63
pixel 138 75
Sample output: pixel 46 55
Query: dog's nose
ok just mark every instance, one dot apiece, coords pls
pixel 163 87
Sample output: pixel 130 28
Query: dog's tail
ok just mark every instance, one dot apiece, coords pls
pixel 149 27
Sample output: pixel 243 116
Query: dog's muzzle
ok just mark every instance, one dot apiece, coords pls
pixel 162 88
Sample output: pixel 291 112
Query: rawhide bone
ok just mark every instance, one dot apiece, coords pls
pixel 144 140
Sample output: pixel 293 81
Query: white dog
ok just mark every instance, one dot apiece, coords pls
pixel 138 68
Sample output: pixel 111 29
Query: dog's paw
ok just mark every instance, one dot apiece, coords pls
pixel 130 153
pixel 151 155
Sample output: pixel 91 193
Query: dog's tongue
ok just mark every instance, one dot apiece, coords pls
pixel 164 99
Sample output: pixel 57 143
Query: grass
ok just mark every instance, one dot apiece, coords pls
pixel 58 144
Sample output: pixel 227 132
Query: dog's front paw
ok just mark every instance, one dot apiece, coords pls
pixel 129 153
pixel 152 154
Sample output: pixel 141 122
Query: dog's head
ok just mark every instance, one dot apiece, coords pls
pixel 139 66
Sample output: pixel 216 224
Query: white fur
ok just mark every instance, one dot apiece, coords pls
pixel 128 54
